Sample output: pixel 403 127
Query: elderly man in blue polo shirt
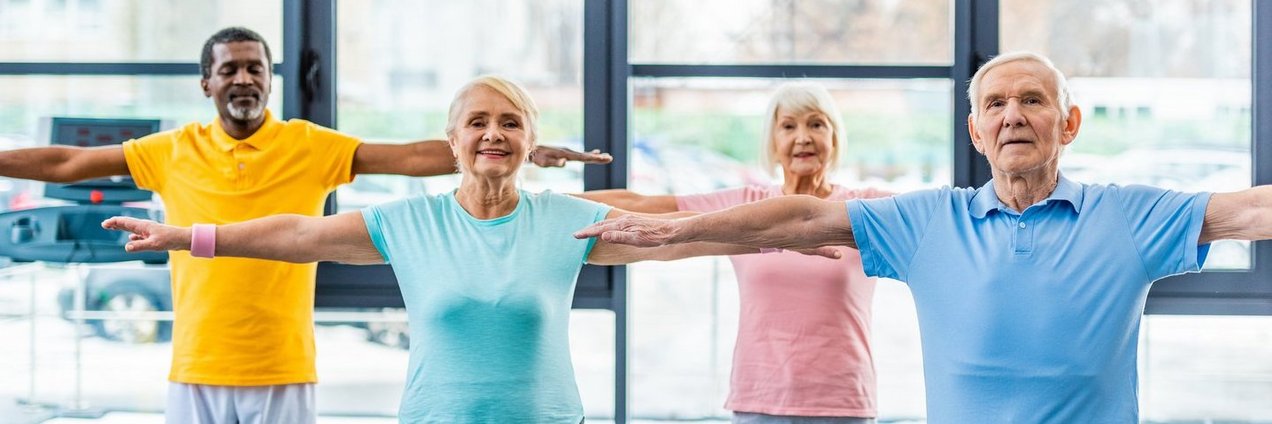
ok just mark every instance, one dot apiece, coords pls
pixel 1029 289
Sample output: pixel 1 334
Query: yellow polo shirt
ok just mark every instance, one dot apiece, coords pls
pixel 242 322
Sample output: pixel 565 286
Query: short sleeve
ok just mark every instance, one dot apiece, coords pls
pixel 148 158
pixel 574 214
pixel 888 230
pixel 1166 227
pixel 331 154
pixel 377 219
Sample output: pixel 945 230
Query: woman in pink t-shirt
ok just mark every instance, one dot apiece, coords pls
pixel 803 344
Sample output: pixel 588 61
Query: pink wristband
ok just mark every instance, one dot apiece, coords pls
pixel 203 240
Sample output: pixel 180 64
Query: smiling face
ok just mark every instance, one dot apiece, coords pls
pixel 1020 127
pixel 803 142
pixel 239 81
pixel 491 136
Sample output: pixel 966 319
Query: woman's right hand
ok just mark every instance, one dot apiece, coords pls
pixel 149 235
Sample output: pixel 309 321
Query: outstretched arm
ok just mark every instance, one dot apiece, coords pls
pixel 632 201
pixel 607 253
pixel 788 222
pixel 290 238
pixel 434 157
pixel 1242 215
pixel 63 164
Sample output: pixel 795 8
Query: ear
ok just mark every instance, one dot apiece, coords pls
pixel 204 84
pixel 1071 126
pixel 971 130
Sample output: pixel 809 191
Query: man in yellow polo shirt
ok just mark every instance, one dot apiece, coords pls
pixel 243 340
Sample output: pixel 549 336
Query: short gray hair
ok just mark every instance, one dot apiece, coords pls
pixel 801 97
pixel 1063 97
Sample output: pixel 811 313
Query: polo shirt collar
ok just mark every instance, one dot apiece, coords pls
pixel 258 140
pixel 986 199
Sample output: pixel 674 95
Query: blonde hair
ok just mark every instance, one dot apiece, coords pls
pixel 1063 97
pixel 515 94
pixel 800 98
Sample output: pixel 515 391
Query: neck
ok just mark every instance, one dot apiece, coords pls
pixel 813 185
pixel 487 198
pixel 240 130
pixel 1022 190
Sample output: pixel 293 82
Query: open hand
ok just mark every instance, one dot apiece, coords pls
pixel 556 157
pixel 149 235
pixel 631 230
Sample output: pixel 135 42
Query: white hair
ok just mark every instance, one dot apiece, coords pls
pixel 799 98
pixel 1063 97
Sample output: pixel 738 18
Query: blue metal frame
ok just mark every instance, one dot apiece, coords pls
pixel 605 74
pixel 975 42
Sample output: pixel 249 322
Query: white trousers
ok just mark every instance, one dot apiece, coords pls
pixel 203 404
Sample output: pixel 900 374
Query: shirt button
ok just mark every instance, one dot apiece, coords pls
pixel 241 166
pixel 1022 225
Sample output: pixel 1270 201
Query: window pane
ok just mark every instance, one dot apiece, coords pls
pixel 706 133
pixel 790 31
pixel 127 30
pixel 26 100
pixel 703 134
pixel 1164 88
pixel 401 62
pixel 1206 369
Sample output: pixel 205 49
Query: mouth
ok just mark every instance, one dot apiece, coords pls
pixel 804 155
pixel 1016 141
pixel 493 153
pixel 244 97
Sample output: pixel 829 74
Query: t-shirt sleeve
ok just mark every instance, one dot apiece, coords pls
pixel 1166 226
pixel 575 214
pixel 378 219
pixel 148 158
pixel 332 154
pixel 711 202
pixel 888 230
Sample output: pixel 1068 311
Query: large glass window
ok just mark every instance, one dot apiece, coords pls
pixel 127 30
pixel 1164 88
pixel 401 62
pixel 790 31
pixel 696 135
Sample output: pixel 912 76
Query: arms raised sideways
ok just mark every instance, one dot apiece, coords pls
pixel 63 164
pixel 617 253
pixel 434 157
pixel 290 238
pixel 1242 215
pixel 787 222
pixel 631 201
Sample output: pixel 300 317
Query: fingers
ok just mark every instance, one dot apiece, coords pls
pixel 123 223
pixel 596 229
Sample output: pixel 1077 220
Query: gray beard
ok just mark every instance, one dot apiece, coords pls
pixel 245 114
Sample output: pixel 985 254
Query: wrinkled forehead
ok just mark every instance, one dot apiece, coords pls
pixel 238 51
pixel 1018 77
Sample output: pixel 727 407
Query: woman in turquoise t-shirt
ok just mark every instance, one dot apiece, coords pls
pixel 487 271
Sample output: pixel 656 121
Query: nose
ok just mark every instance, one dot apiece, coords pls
pixel 803 136
pixel 492 134
pixel 1012 116
pixel 242 77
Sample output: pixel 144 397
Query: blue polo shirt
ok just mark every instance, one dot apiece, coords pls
pixel 1031 317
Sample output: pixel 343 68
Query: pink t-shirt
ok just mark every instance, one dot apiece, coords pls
pixel 803 345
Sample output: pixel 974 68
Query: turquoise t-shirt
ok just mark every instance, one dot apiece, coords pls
pixel 489 305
